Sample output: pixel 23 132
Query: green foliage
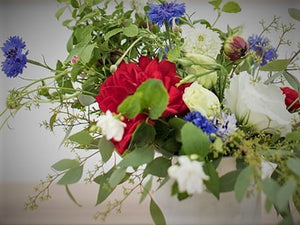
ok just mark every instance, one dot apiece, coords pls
pixel 242 183
pixel 156 213
pixel 294 13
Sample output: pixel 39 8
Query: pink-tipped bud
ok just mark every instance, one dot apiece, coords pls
pixel 74 59
pixel 235 47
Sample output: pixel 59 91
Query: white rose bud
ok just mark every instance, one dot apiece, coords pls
pixel 197 98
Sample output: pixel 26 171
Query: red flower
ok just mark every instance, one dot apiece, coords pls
pixel 126 80
pixel 235 47
pixel 291 96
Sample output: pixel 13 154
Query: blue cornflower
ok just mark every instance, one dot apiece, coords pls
pixel 261 46
pixel 225 124
pixel 165 12
pixel 15 60
pixel 202 122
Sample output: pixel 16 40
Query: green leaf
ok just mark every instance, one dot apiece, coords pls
pixel 194 140
pixel 142 136
pixel 71 196
pixel 293 81
pixel 106 149
pixel 86 100
pixel 231 7
pixel 65 164
pixel 284 194
pixel 59 12
pixel 227 181
pixel 156 213
pixel 146 189
pixel 131 106
pixel 117 176
pixel 276 65
pixel 87 53
pixel 294 165
pixel 105 189
pixel 137 157
pixel 242 183
pixel 155 97
pixel 74 3
pixel 158 167
pixel 270 188
pixel 293 136
pixel 213 184
pixel 151 96
pixel 82 138
pixel 216 3
pixel 294 13
pixel 52 120
pixel 111 33
pixel 72 176
pixel 173 54
pixel 131 31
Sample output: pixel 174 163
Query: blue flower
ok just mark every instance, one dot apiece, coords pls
pixel 165 12
pixel 260 45
pixel 15 60
pixel 202 122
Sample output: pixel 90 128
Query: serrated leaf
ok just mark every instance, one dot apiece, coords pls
pixel 137 157
pixel 146 189
pixel 284 194
pixel 111 33
pixel 131 31
pixel 82 138
pixel 106 149
pixel 158 167
pixel 294 13
pixel 194 140
pixel 276 65
pixel 72 176
pixel 294 165
pixel 156 213
pixel 65 164
pixel 71 196
pixel 231 7
pixel 86 100
pixel 242 183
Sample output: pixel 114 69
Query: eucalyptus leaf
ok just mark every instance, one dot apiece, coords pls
pixel 213 183
pixel 146 189
pixel 294 13
pixel 106 149
pixel 72 176
pixel 158 167
pixel 71 196
pixel 117 177
pixel 242 183
pixel 82 138
pixel 137 157
pixel 231 7
pixel 227 181
pixel 194 140
pixel 284 194
pixel 294 165
pixel 156 213
pixel 86 100
pixel 270 188
pixel 276 65
pixel 143 135
pixel 65 164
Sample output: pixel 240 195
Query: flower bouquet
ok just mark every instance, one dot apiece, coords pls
pixel 158 97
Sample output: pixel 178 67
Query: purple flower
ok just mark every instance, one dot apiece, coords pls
pixel 165 12
pixel 262 48
pixel 202 122
pixel 15 60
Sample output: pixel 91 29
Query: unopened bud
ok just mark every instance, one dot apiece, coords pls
pixel 235 47
pixel 113 68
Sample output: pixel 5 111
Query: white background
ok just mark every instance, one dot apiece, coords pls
pixel 26 150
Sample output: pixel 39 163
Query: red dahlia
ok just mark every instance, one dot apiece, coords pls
pixel 125 81
pixel 291 97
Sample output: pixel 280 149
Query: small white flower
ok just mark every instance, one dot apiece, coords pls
pixel 202 41
pixel 111 127
pixel 189 175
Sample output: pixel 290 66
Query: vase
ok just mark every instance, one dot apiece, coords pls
pixel 206 209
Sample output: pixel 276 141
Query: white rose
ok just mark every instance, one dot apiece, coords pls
pixel 257 104
pixel 197 98
pixel 189 175
pixel 111 127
